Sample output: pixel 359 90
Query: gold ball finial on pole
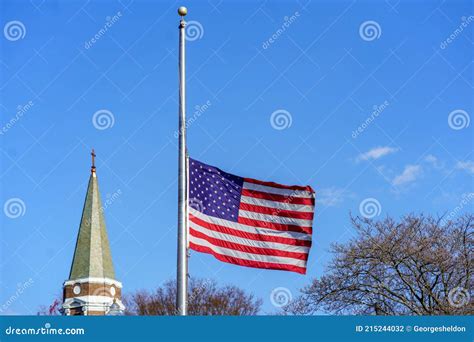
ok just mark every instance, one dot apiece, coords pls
pixel 182 11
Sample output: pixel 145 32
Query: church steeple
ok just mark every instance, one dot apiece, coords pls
pixel 91 288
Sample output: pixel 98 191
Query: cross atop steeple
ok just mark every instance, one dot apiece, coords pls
pixel 93 161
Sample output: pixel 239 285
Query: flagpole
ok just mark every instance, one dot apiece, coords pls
pixel 181 298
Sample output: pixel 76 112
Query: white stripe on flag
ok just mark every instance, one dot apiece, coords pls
pixel 248 256
pixel 303 208
pixel 249 229
pixel 248 242
pixel 275 219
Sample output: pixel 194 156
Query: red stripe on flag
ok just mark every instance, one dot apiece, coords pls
pixel 276 211
pixel 278 198
pixel 280 186
pixel 248 249
pixel 247 235
pixel 247 263
pixel 276 226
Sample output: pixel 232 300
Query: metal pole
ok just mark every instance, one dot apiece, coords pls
pixel 181 298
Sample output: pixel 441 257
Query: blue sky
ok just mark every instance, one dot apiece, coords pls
pixel 371 103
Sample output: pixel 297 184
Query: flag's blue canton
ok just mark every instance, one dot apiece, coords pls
pixel 213 191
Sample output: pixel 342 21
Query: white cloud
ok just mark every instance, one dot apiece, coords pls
pixel 431 159
pixel 377 152
pixel 467 166
pixel 331 197
pixel 434 162
pixel 409 174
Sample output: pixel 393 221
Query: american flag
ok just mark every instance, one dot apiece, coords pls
pixel 249 222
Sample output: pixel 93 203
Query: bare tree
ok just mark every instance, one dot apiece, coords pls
pixel 204 298
pixel 418 266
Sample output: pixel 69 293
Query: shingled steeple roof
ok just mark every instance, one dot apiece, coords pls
pixel 92 258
